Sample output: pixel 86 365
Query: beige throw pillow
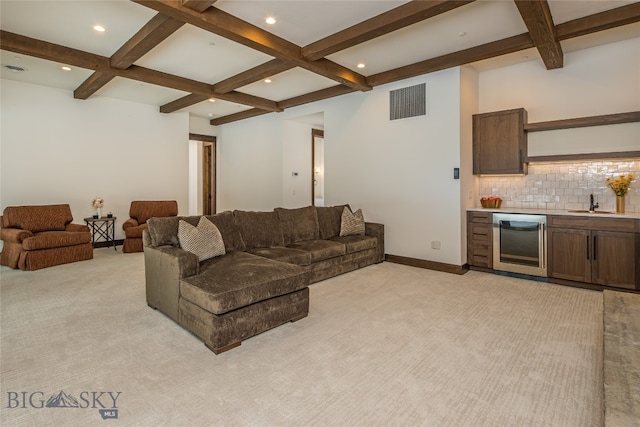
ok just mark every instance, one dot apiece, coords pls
pixel 204 240
pixel 352 223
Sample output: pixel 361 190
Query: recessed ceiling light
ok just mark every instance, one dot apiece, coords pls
pixel 267 80
pixel 99 28
pixel 66 68
pixel 210 114
pixel 361 65
pixel 212 100
pixel 462 34
pixel 270 20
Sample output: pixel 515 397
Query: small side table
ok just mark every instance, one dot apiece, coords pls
pixel 102 229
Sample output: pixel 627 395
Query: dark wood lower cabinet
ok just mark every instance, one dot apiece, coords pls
pixel 480 239
pixel 597 251
pixel 569 254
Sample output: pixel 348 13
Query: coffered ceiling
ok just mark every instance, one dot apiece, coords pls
pixel 212 58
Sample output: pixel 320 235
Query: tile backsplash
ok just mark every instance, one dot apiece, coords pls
pixel 564 185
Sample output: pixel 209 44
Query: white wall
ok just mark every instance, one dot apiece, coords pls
pixel 250 164
pixel 296 159
pixel 596 81
pixel 59 150
pixel 400 173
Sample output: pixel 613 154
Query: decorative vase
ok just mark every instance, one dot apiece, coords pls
pixel 98 212
pixel 620 204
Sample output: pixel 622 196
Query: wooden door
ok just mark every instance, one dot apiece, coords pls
pixel 569 254
pixel 208 178
pixel 614 259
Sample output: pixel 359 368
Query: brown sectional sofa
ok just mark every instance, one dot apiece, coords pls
pixel 262 280
pixel 40 236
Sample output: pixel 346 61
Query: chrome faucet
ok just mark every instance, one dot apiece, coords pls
pixel 592 206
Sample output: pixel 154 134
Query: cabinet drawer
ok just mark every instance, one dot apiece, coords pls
pixel 481 232
pixel 480 217
pixel 589 222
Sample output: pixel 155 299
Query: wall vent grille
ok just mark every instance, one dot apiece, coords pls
pixel 408 102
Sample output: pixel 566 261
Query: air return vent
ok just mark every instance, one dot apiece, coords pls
pixel 14 68
pixel 408 102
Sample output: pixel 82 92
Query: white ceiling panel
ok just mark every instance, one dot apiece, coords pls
pixel 568 10
pixel 70 23
pixel 213 110
pixel 144 93
pixel 481 22
pixel 288 84
pixel 202 56
pixel 41 72
pixel 304 22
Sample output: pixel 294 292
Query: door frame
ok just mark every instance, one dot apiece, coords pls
pixel 208 153
pixel 315 133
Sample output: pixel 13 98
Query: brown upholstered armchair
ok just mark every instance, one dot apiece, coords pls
pixel 36 237
pixel 140 212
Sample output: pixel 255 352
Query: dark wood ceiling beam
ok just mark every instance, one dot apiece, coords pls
pixel 93 84
pixel 273 67
pixel 613 18
pixel 53 52
pixel 315 96
pixel 237 116
pixel 228 26
pixel 40 49
pixel 149 36
pixel 198 5
pixel 262 71
pixel 537 17
pixel 185 101
pixel 395 19
pixel 478 53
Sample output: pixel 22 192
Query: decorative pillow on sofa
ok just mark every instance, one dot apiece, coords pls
pixel 204 240
pixel 352 223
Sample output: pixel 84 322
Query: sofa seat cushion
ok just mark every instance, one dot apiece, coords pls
pixel 320 249
pixel 55 239
pixel 356 243
pixel 238 279
pixel 290 255
pixel 133 232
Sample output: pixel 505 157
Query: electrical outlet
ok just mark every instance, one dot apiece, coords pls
pixel 436 244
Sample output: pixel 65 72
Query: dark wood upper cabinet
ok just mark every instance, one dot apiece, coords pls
pixel 500 142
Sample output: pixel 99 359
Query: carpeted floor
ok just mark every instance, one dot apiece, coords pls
pixel 387 345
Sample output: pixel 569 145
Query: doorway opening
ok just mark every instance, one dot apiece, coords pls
pixel 317 167
pixel 205 179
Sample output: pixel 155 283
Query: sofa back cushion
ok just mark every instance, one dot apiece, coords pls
pixel 329 220
pixel 229 230
pixel 298 224
pixel 164 231
pixel 37 218
pixel 141 211
pixel 259 229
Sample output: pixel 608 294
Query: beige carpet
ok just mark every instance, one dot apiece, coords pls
pixel 387 345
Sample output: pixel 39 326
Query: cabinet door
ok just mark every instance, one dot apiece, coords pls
pixel 614 259
pixel 499 142
pixel 569 253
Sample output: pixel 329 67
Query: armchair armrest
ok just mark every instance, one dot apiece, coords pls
pixel 164 267
pixel 376 230
pixel 78 228
pixel 129 223
pixel 14 235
